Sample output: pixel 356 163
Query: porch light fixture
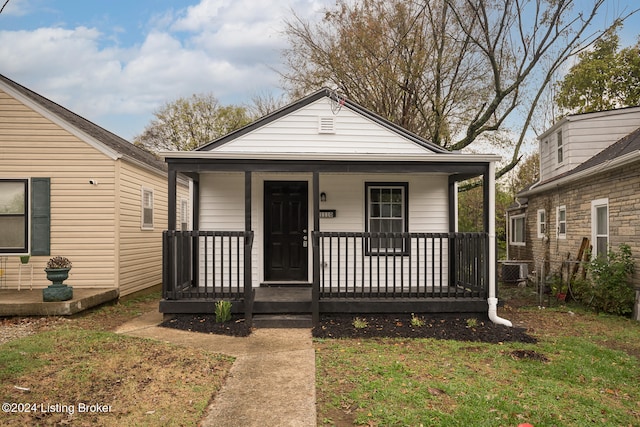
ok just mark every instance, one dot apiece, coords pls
pixel 323 197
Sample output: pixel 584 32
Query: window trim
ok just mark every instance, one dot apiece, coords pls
pixel 143 207
pixel 559 234
pixel 595 204
pixel 405 220
pixel 542 224
pixel 26 249
pixel 512 220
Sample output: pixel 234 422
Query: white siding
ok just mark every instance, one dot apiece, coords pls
pixel 584 136
pixel 299 132
pixel 222 206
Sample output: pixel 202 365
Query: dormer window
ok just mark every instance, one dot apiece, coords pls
pixel 560 152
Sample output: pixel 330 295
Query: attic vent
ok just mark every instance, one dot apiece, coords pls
pixel 326 125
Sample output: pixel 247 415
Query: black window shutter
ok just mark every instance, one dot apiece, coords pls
pixel 40 216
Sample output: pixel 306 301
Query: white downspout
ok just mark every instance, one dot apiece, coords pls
pixel 493 301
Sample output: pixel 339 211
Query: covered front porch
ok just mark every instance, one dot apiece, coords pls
pixel 325 196
pixel 348 271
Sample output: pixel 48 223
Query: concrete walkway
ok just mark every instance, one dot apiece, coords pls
pixel 271 383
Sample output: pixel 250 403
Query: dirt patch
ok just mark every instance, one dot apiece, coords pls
pixel 529 354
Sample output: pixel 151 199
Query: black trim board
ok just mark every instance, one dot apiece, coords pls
pixel 459 170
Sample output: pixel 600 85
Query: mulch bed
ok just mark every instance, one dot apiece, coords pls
pixel 438 327
pixel 377 326
pixel 206 323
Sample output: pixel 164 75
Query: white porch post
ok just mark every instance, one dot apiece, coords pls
pixel 491 185
pixel 491 256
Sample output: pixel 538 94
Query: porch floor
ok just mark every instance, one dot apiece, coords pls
pixel 29 302
pixel 297 300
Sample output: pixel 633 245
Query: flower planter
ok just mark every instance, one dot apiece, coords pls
pixel 57 291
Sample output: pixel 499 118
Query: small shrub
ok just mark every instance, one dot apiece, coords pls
pixel 359 323
pixel 472 322
pixel 609 289
pixel 416 322
pixel 223 311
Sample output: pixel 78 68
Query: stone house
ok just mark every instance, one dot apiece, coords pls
pixel 587 197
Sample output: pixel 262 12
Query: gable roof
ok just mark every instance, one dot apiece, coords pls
pixel 309 99
pixel 109 143
pixel 622 152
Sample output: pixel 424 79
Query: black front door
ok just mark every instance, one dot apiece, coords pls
pixel 285 230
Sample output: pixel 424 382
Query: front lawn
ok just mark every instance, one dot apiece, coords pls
pixel 584 370
pixel 79 373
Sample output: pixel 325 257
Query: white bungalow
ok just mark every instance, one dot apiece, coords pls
pixel 328 198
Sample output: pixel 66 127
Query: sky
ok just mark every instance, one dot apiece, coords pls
pixel 115 62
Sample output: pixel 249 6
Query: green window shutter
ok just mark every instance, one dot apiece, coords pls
pixel 40 216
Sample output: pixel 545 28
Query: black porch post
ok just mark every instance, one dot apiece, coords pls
pixel 195 208
pixel 453 206
pixel 315 291
pixel 248 244
pixel 195 250
pixel 171 194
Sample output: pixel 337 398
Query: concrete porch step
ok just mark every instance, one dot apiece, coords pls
pixel 282 321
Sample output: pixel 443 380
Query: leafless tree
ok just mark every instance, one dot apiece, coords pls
pixel 458 72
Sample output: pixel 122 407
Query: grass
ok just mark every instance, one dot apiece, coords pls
pixel 587 374
pixel 142 382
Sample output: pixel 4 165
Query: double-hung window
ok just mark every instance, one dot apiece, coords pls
pixel 386 212
pixel 600 227
pixel 561 222
pixel 542 223
pixel 14 216
pixel 147 209
pixel 560 148
pixel 517 230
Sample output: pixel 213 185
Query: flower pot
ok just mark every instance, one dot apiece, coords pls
pixel 57 291
pixel 561 296
pixel 24 259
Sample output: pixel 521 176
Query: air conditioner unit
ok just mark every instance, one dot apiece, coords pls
pixel 514 272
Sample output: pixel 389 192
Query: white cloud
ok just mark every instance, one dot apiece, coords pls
pixel 220 46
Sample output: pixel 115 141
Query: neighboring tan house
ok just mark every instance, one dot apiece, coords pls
pixel 327 196
pixel 589 188
pixel 71 188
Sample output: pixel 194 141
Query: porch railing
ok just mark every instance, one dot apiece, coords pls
pixel 207 264
pixel 401 265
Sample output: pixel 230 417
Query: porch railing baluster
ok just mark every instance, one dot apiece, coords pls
pixel 222 256
pixel 374 269
pixel 339 240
